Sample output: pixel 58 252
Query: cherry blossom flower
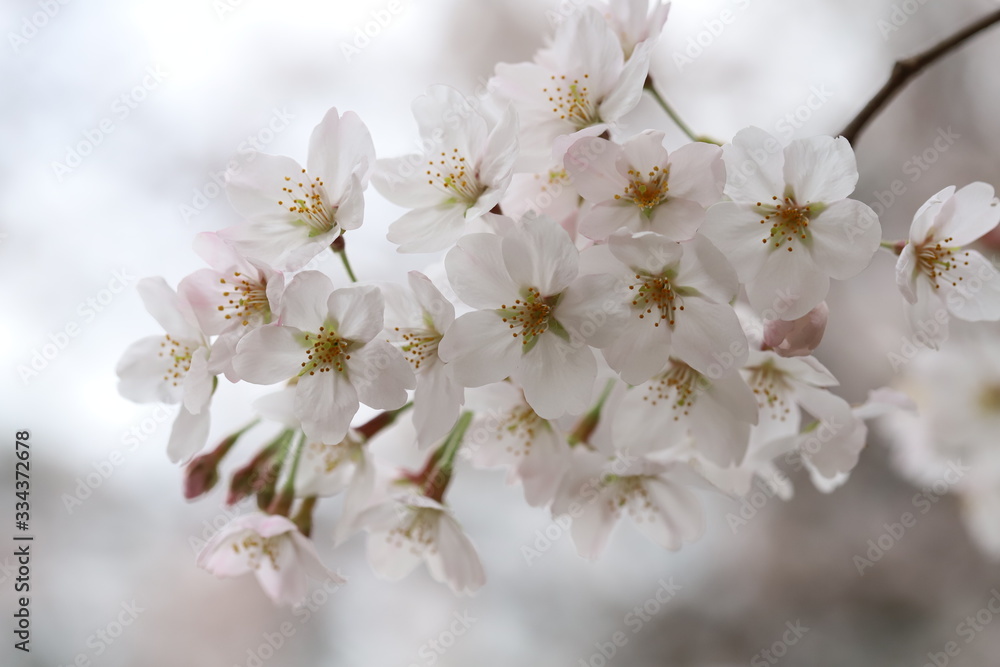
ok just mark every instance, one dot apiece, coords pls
pixel 232 298
pixel 681 408
pixel 325 339
pixel 173 368
pixel 790 227
pixel 640 187
pixel 294 213
pixel 580 82
pixel 407 528
pixel 536 319
pixel 597 490
pixel 936 274
pixel 418 318
pixel 678 301
pixel 463 172
pixel 634 21
pixel 273 549
pixel 507 432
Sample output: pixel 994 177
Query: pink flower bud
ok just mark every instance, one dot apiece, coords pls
pixel 797 338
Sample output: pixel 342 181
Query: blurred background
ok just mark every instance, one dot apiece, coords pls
pixel 118 117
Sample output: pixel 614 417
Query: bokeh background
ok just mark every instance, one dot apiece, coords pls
pixel 163 94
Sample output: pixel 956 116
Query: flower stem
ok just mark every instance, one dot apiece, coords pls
pixel 674 116
pixel 906 69
pixel 443 460
pixel 283 501
pixel 340 247
pixel 895 247
pixel 370 428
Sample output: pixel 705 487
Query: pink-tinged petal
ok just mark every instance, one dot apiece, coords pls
pixel 975 212
pixel 592 526
pixel 907 273
pixel 281 243
pixel 645 252
pixel 593 310
pixel 455 560
pixel 754 163
pixel 432 302
pixel 325 403
pixel 820 169
pixel 972 289
pixel 169 310
pixel 381 375
pixel 436 403
pixel 428 229
pixel 204 292
pixel 340 147
pixel 309 561
pixel 628 90
pixel 282 579
pixel 735 229
pixel 788 286
pixel 481 349
pixel 834 445
pixel 305 302
pixel 541 256
pixel 707 270
pixel 141 372
pixel 593 165
pixel 800 337
pixel 259 185
pixel 358 311
pixel 188 435
pixel 403 181
pixel 673 515
pixel 604 219
pixel 707 335
pixel 217 253
pixel 218 556
pixel 497 163
pixel 269 355
pixel 447 117
pixel 677 219
pixel 392 559
pixel 557 376
pixel 477 272
pixel 645 151
pixel 350 213
pixel 641 351
pixel 697 173
pixel 845 237
pixel 548 193
pixel 541 468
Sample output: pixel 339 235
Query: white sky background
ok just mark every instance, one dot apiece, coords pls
pixel 65 238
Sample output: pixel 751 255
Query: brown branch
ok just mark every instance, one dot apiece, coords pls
pixel 906 69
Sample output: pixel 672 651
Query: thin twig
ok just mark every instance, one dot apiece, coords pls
pixel 906 69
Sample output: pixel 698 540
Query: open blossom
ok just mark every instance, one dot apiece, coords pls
pixel 463 172
pixel 678 304
pixel 598 490
pixel 536 320
pixel 407 528
pixel 326 340
pixel 173 368
pixel 417 320
pixel 294 213
pixel 681 408
pixel 936 274
pixel 634 21
pixel 513 435
pixel 790 227
pixel 638 186
pixel 230 299
pixel 273 549
pixel 580 82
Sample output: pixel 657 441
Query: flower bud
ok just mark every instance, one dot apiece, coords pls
pixel 797 338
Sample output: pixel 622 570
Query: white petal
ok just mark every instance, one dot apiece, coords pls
pixel 269 355
pixel 820 169
pixel 697 173
pixel 172 313
pixel 557 377
pixel 789 286
pixel 432 302
pixel 381 375
pixel 477 272
pixel 358 311
pixel 845 237
pixel 402 181
pixel 974 213
pixel 754 163
pixel 735 229
pixel 628 91
pixel 481 348
pixel 973 292
pixel 436 403
pixel 604 219
pixel 188 435
pixel 141 372
pixel 455 560
pixel 706 335
pixel 428 229
pixel 341 146
pixel 541 256
pixel 325 403
pixel 593 164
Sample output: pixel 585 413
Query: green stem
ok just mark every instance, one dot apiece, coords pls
pixel 443 460
pixel 340 247
pixel 369 429
pixel 895 247
pixel 674 116
pixel 585 428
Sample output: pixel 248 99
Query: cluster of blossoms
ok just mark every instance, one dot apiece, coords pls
pixel 624 326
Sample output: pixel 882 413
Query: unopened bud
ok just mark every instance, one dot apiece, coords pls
pixel 797 338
